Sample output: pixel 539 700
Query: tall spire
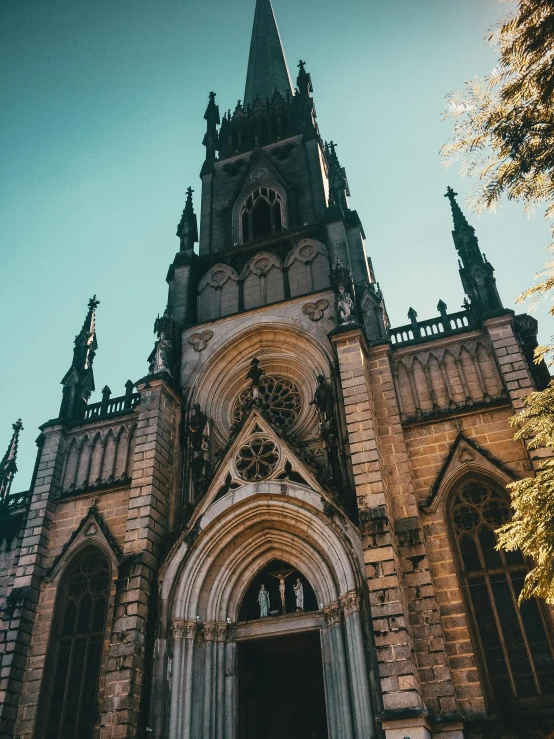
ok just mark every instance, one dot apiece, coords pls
pixel 78 381
pixel 8 465
pixel 475 271
pixel 267 66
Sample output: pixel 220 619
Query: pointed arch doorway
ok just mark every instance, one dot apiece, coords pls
pixel 281 688
pixel 280 678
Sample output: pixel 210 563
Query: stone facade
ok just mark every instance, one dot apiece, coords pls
pixel 283 423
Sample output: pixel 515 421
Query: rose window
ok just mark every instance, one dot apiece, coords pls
pixel 279 397
pixel 257 459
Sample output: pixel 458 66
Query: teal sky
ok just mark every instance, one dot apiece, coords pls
pixel 101 125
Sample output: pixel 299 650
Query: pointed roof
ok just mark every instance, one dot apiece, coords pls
pixel 8 465
pixel 267 66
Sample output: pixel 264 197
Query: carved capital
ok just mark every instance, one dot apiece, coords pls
pixel 183 629
pixel 209 631
pixel 350 602
pixel 221 632
pixel 332 614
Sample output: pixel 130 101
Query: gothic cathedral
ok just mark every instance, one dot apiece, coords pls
pixel 285 530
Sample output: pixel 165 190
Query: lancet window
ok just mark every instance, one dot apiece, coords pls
pixel 261 214
pixel 71 682
pixel 516 653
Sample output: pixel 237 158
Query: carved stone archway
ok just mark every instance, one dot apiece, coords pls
pixel 204 583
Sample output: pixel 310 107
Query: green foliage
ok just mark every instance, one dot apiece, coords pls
pixel 504 124
pixel 504 138
pixel 531 529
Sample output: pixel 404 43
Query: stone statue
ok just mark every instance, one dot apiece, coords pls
pixel 299 593
pixel 324 401
pixel 281 575
pixel 197 424
pixel 263 600
pixel 345 307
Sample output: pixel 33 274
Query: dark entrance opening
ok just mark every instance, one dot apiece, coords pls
pixel 281 691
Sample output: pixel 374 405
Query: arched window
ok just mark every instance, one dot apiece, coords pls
pixel 71 678
pixel 516 654
pixel 261 214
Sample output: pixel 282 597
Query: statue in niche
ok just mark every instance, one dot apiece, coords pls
pixel 345 307
pixel 198 434
pixel 263 600
pixel 197 424
pixel 324 401
pixel 299 594
pixel 281 575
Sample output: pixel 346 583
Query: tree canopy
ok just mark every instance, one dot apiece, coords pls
pixel 504 123
pixel 504 138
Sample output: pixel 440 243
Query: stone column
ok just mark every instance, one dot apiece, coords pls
pixel 340 665
pixel 181 687
pixel 220 637
pixel 331 697
pixel 209 632
pixel 231 717
pixel 359 679
pixel 152 489
pixel 23 599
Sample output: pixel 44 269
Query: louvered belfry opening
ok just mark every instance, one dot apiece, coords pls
pixel 69 708
pixel 516 651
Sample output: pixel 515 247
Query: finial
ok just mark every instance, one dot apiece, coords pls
pixel 459 219
pixel 187 228
pixel 301 65
pixel 8 465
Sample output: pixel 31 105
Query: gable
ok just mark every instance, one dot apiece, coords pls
pixel 91 530
pixel 465 456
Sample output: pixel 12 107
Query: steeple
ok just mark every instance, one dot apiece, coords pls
pixel 267 66
pixel 8 465
pixel 476 272
pixel 78 381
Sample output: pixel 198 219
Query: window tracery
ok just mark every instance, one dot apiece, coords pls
pixel 77 648
pixel 280 397
pixel 257 459
pixel 516 652
pixel 261 214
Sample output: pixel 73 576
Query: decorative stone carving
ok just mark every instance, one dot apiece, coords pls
pixel 200 341
pixel 259 174
pixel 332 614
pixel 324 402
pixel 345 307
pixel 163 356
pixel 316 310
pixel 350 602
pixel 342 283
pixel 209 632
pixel 198 431
pixel 184 629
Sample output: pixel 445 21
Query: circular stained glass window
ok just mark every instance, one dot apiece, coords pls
pixel 280 397
pixel 257 459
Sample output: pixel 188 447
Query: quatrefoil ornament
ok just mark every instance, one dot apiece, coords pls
pixel 315 311
pixel 200 341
